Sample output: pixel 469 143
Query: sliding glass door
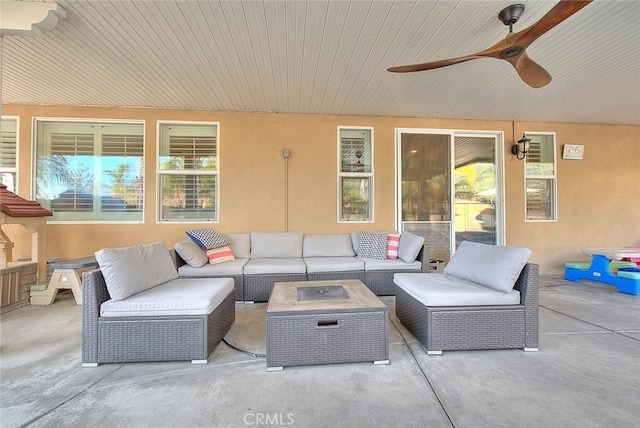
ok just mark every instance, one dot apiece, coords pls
pixel 449 188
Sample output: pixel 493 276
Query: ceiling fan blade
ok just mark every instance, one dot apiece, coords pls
pixel 561 11
pixel 530 71
pixel 512 48
pixel 431 65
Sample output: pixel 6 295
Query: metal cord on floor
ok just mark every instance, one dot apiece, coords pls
pixel 253 354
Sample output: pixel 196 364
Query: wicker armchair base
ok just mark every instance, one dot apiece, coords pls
pixel 156 338
pixel 441 328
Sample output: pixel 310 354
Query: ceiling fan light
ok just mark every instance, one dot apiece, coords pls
pixel 510 14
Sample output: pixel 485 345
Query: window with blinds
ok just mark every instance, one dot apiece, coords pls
pixel 9 152
pixel 124 157
pixel 188 172
pixel 90 171
pixel 355 153
pixel 355 174
pixel 540 178
pixel 64 144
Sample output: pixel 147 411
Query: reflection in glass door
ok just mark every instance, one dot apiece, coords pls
pixel 425 197
pixel 448 188
pixel 475 189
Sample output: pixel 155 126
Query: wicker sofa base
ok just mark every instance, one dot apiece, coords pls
pixel 336 276
pixel 157 338
pixel 441 328
pixel 257 288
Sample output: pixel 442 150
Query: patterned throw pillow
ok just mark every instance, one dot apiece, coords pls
pixel 372 245
pixel 393 240
pixel 207 238
pixel 220 255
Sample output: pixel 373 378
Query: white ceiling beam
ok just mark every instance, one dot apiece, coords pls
pixel 18 18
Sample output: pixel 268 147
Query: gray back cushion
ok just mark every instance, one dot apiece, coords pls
pixel 355 237
pixel 240 244
pixel 496 267
pixel 327 245
pixel 130 270
pixel 409 246
pixel 279 244
pixel 191 253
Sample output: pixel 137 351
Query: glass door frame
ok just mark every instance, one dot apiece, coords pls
pixel 453 133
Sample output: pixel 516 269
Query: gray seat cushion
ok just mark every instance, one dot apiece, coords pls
pixel 193 296
pixel 333 264
pixel 275 265
pixel 389 264
pixel 233 267
pixel 433 289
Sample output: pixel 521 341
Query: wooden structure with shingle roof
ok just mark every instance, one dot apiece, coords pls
pixel 32 216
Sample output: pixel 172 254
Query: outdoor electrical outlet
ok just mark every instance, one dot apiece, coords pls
pixel 286 153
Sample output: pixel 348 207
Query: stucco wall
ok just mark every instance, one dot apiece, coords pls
pixel 598 197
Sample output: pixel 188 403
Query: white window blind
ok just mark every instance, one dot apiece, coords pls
pixel 122 145
pixel 540 178
pixel 8 150
pixel 194 151
pixel 188 169
pixel 9 153
pixel 90 171
pixel 72 144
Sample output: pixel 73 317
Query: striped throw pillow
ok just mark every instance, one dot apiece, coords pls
pixel 220 255
pixel 393 240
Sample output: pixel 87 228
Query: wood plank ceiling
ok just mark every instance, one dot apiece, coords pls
pixel 329 57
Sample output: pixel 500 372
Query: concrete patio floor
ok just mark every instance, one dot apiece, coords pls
pixel 586 374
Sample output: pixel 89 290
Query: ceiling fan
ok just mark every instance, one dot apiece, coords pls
pixel 513 48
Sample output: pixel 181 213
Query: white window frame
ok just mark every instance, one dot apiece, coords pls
pixel 12 170
pixel 163 172
pixel 357 175
pixel 553 178
pixel 97 181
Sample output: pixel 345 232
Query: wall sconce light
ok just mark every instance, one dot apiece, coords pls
pixel 521 147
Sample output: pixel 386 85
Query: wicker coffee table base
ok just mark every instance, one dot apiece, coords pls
pixel 326 336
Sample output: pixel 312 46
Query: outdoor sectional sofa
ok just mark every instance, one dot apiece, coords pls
pixel 135 308
pixel 262 259
pixel 487 298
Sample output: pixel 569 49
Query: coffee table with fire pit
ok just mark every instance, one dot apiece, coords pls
pixel 324 322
